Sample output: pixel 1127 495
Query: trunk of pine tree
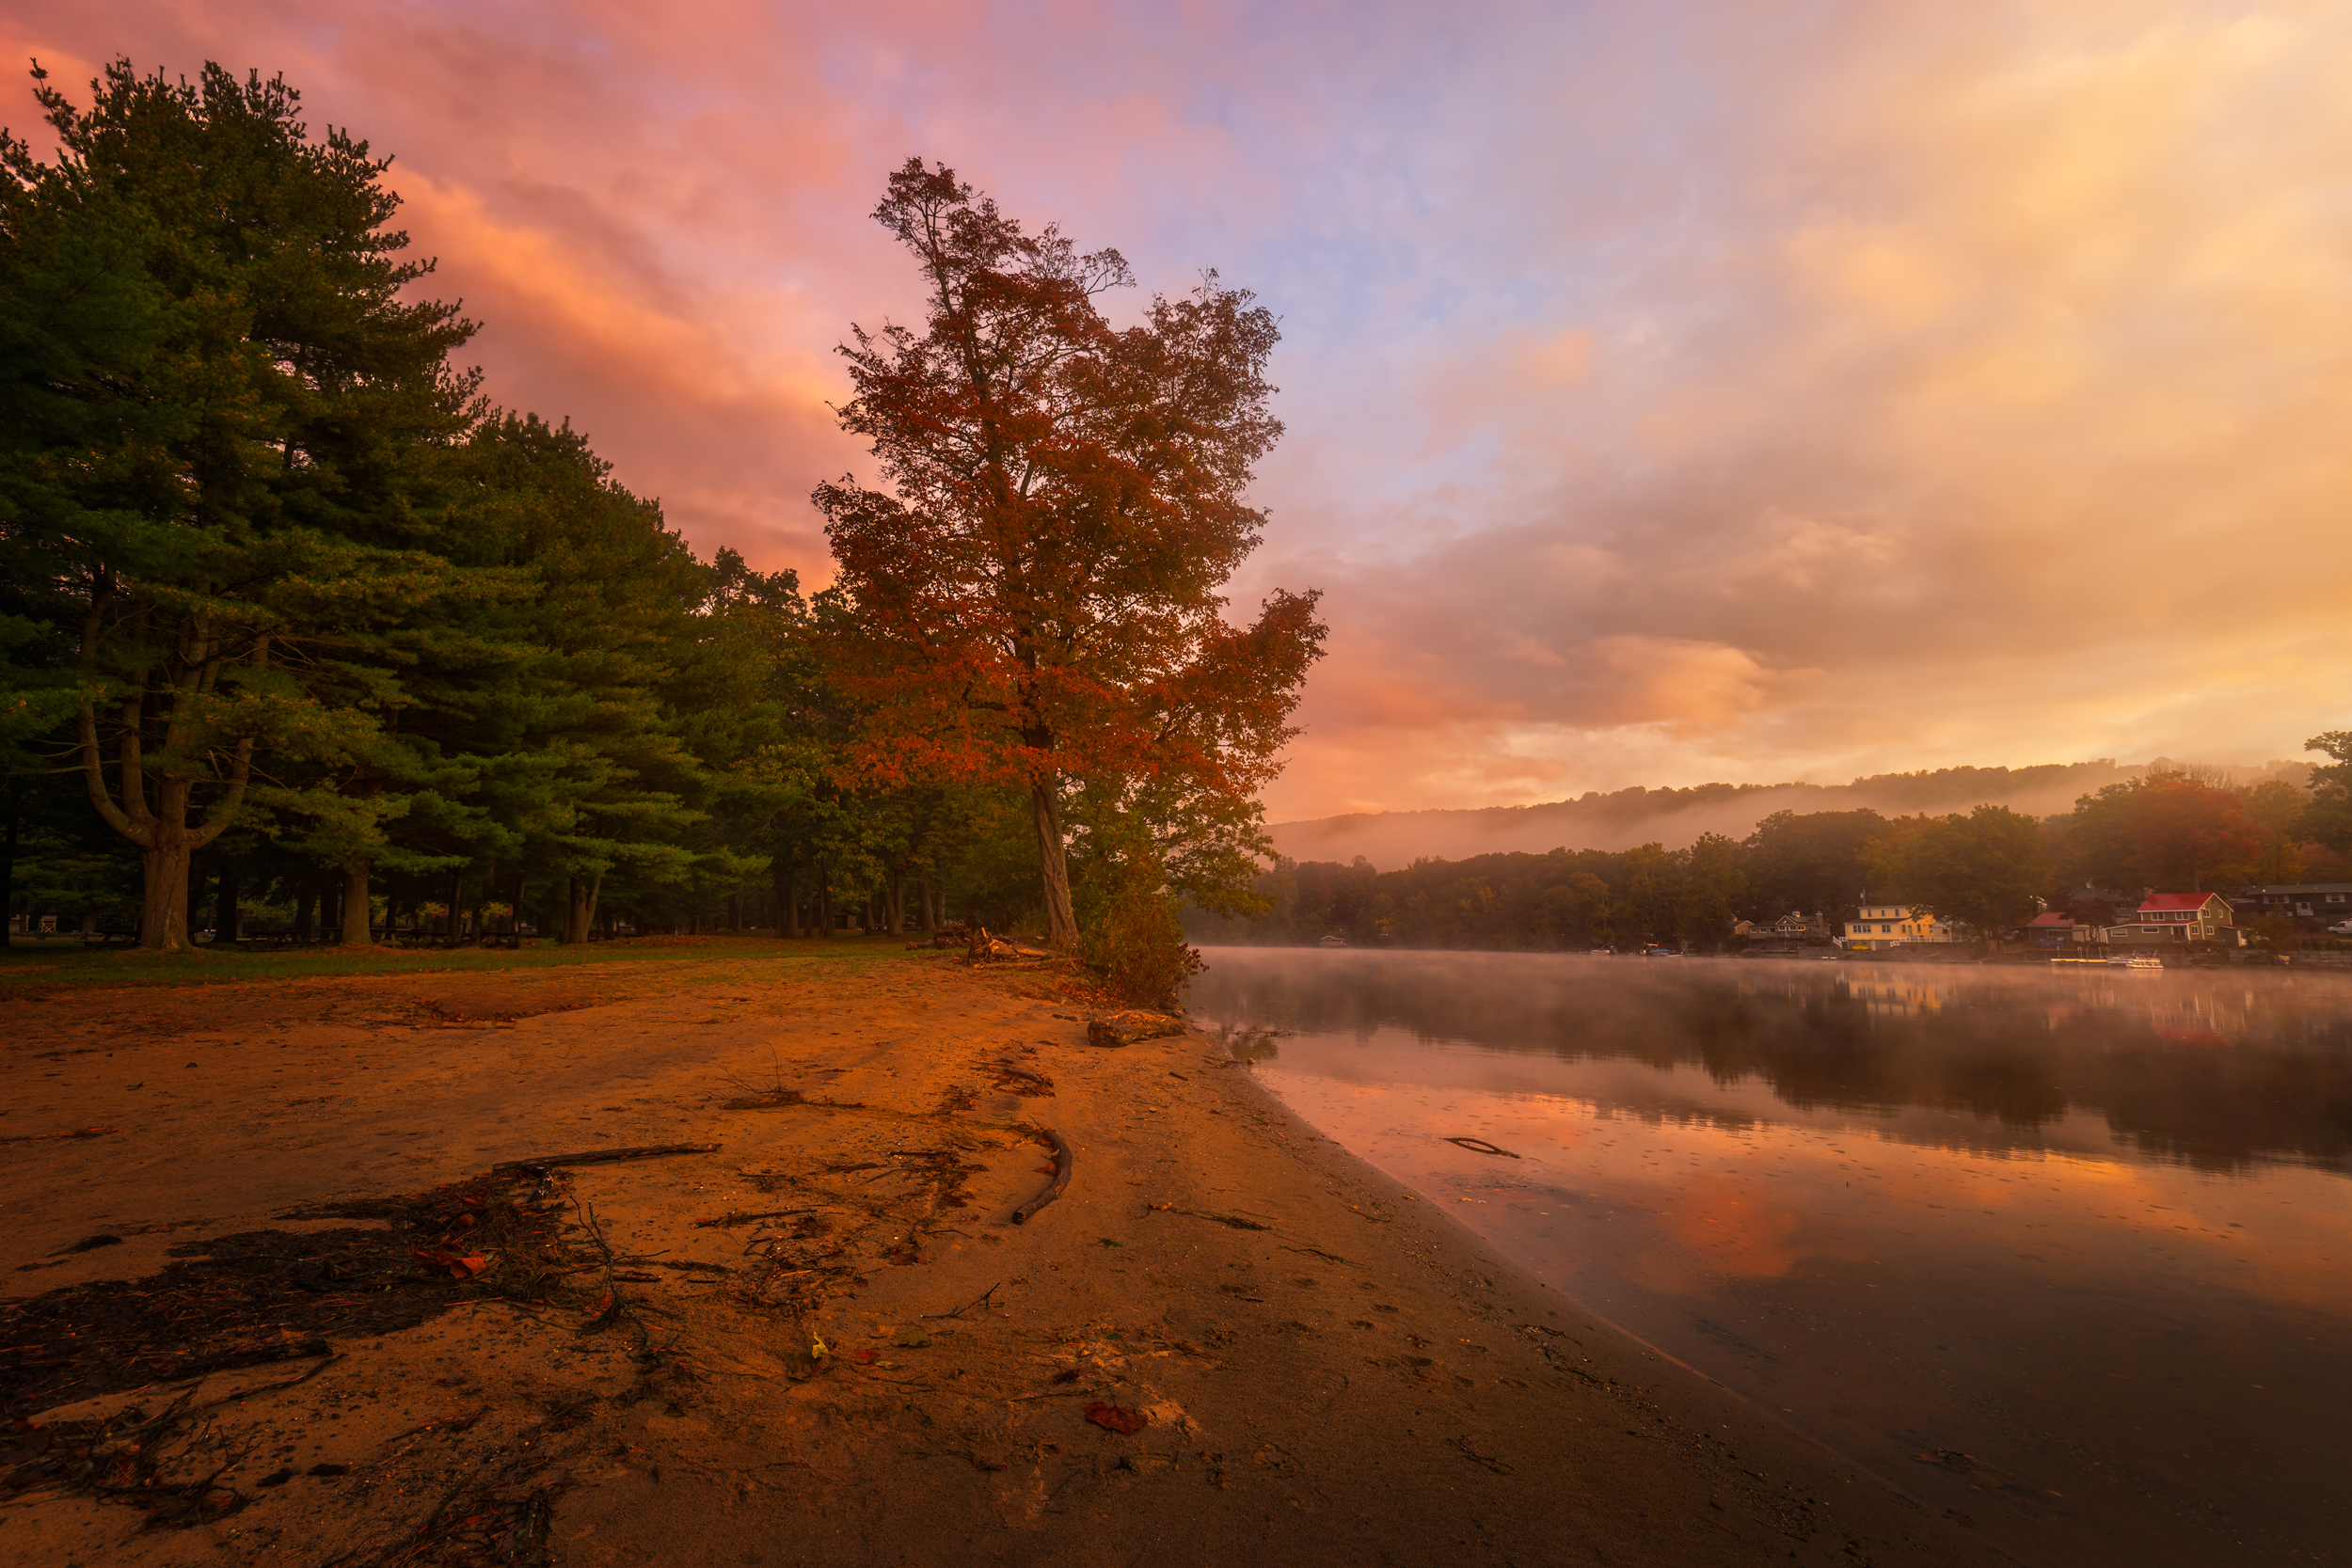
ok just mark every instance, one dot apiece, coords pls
pixel 897 907
pixel 824 902
pixel 152 810
pixel 457 903
pixel 357 911
pixel 735 912
pixel 580 913
pixel 164 905
pixel 1061 922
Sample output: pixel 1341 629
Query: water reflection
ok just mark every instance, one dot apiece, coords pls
pixel 2089 1230
pixel 2203 1067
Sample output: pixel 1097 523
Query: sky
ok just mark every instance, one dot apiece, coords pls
pixel 1675 390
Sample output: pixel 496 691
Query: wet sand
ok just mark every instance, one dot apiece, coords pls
pixel 1327 1369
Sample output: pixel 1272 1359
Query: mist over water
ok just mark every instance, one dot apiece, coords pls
pixel 2069 1254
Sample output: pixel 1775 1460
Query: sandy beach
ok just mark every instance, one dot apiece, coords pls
pixel 820 1341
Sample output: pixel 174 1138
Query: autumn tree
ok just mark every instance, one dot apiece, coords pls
pixel 2183 830
pixel 1037 595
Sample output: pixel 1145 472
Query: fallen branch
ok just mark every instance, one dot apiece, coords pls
pixel 980 1300
pixel 1063 1159
pixel 605 1156
pixel 726 1220
pixel 1480 1145
pixel 1236 1221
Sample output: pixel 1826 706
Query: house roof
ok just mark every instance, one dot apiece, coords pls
pixel 2050 920
pixel 2177 901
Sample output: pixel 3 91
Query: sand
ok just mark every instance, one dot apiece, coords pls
pixel 1319 1366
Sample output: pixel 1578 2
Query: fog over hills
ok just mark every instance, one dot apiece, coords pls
pixel 1675 818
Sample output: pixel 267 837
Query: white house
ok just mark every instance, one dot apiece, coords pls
pixel 1893 924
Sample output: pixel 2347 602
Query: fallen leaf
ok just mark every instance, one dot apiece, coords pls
pixel 453 1265
pixel 1110 1417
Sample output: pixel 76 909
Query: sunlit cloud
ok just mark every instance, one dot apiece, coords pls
pixel 1673 392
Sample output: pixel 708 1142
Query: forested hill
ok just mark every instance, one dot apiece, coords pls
pixel 1677 817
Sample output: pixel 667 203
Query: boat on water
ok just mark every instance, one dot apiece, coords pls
pixel 2142 962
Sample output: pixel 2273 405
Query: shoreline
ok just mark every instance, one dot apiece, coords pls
pixel 1320 1369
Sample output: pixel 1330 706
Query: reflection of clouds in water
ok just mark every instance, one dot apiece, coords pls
pixel 1719 1226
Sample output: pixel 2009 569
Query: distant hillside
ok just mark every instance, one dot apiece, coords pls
pixel 1676 816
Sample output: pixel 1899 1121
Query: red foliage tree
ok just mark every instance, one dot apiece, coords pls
pixel 1035 600
pixel 2181 829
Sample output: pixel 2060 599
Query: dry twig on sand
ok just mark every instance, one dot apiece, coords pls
pixel 1063 1161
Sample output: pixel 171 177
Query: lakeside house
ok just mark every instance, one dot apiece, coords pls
pixel 1791 926
pixel 2179 917
pixel 2324 901
pixel 2057 925
pixel 1893 924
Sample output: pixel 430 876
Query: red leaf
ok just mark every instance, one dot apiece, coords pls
pixel 864 1357
pixel 453 1265
pixel 1110 1417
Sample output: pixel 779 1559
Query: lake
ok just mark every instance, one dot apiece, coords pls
pixel 2065 1252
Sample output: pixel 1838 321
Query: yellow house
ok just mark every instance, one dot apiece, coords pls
pixel 1893 924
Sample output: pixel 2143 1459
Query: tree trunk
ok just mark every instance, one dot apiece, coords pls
pixel 163 906
pixel 356 910
pixel 1061 922
pixel 788 903
pixel 735 912
pixel 307 910
pixel 895 905
pixel 456 901
pixel 581 914
pixel 824 903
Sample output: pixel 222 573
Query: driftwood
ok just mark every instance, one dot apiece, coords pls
pixel 989 949
pixel 1480 1145
pixel 605 1156
pixel 1062 1161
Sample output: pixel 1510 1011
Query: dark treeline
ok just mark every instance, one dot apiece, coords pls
pixel 299 631
pixel 1984 869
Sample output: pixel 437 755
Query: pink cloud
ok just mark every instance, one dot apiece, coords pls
pixel 1678 392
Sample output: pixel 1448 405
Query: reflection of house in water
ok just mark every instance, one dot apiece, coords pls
pixel 1898 998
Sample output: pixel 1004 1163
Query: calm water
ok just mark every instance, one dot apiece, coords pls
pixel 2067 1253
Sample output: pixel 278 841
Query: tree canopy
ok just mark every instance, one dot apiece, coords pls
pixel 1036 598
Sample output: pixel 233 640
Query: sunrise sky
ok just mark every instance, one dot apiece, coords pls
pixel 1676 391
